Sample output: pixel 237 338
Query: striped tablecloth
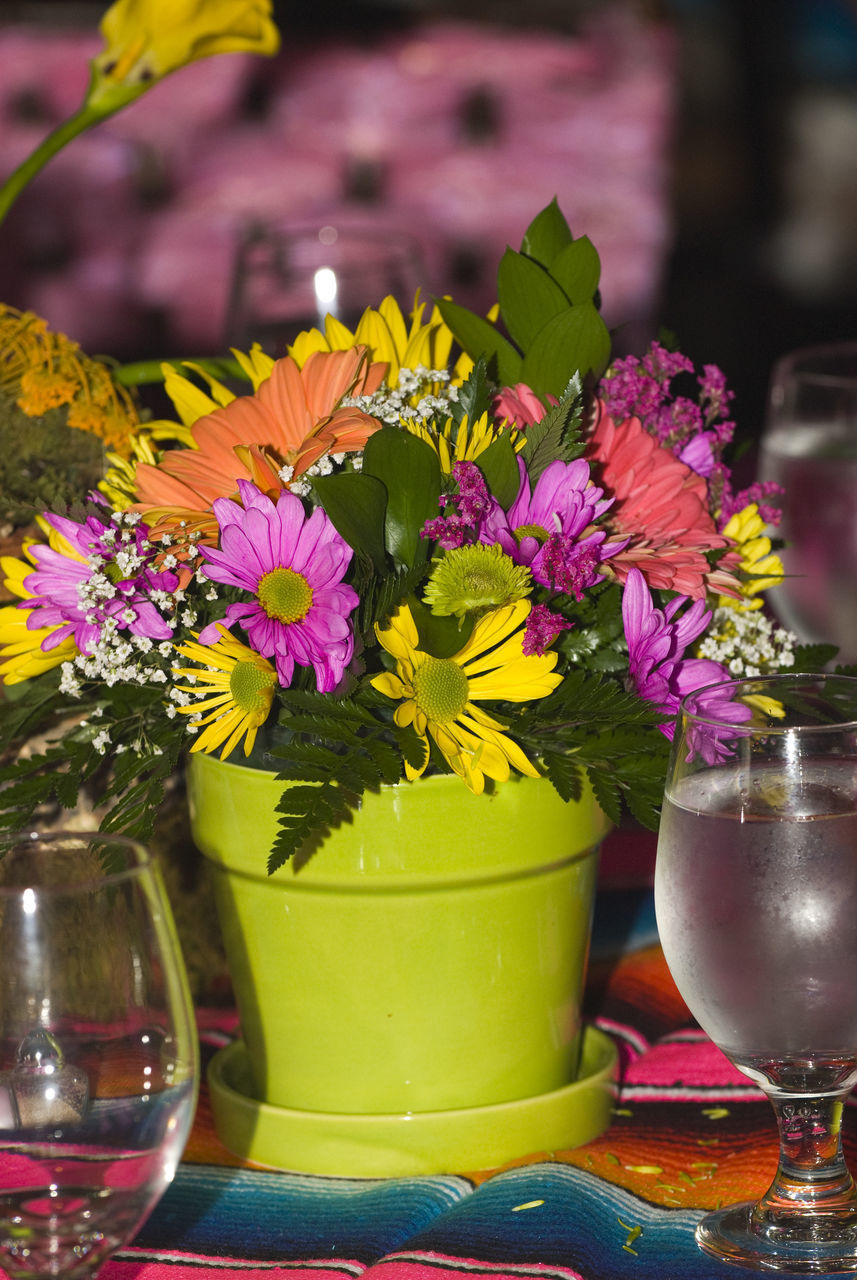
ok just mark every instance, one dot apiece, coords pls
pixel 689 1132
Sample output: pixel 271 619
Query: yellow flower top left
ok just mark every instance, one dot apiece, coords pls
pixel 147 39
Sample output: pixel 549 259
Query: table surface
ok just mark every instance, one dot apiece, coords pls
pixel 689 1133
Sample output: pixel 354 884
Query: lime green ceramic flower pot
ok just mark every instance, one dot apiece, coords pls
pixel 429 955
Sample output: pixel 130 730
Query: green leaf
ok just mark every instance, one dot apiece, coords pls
pixel 409 469
pixel 356 505
pixel 474 395
pixel 556 436
pixel 577 341
pixel 498 464
pixel 565 774
pixel 479 337
pixel 440 636
pixel 607 794
pixel 577 269
pixel 528 297
pixel 547 235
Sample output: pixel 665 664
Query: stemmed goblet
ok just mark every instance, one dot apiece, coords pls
pixel 756 899
pixel 98 1050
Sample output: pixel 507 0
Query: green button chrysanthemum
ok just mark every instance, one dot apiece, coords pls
pixel 474 579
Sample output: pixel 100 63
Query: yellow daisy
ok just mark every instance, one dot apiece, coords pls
pixel 438 696
pixel 762 567
pixel 243 684
pixel 462 442
pixel 389 339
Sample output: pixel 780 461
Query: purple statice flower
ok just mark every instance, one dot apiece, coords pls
pixel 766 494
pixel 106 581
pixel 292 566
pixel 696 431
pixel 548 528
pixel 471 503
pixel 657 640
pixel 542 628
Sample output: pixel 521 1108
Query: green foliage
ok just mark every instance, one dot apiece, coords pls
pixel 409 470
pixel 45 465
pixel 547 297
pixel 126 785
pixel 367 753
pixel 557 436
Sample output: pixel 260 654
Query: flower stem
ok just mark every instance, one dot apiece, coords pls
pixel 48 147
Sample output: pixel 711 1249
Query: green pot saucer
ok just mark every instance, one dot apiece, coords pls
pixel 395 1145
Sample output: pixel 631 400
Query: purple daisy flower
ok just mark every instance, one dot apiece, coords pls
pixel 657 640
pixel 542 527
pixel 293 567
pixel 106 579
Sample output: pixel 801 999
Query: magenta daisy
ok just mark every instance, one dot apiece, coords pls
pixel 292 565
pixel 548 528
pixel 106 583
pixel 657 640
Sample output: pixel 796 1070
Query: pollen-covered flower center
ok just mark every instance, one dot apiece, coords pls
pixel 536 531
pixel 440 688
pixel 248 685
pixel 285 595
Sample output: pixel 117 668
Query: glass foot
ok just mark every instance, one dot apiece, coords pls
pixel 808 1243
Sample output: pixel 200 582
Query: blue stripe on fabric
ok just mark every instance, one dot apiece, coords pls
pixel 252 1214
pixel 583 1224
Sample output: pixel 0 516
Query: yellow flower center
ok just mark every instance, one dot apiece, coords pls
pixel 531 531
pixel 285 595
pixel 249 687
pixel 441 689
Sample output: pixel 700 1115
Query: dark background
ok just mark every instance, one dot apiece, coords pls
pixel 763 166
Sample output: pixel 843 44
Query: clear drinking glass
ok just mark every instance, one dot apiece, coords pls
pixel 288 278
pixel 809 445
pixel 98 1050
pixel 756 898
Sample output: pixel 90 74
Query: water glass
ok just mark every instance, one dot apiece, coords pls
pixel 756 898
pixel 288 278
pixel 809 445
pixel 98 1050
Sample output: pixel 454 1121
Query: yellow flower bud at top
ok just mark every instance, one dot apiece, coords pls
pixel 147 39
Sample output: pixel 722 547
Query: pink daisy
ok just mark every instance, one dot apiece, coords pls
pixel 549 528
pixel 293 567
pixel 107 579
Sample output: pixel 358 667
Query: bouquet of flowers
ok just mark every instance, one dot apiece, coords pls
pixel 440 542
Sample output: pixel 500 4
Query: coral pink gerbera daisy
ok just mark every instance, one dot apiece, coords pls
pixel 270 438
pixel 292 566
pixel 661 508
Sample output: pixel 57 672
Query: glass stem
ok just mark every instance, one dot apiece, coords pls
pixel 812 1174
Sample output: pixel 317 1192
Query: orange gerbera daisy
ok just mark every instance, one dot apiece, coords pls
pixel 661 507
pixel 271 437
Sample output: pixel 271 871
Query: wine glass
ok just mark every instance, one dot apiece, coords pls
pixel 809 445
pixel 756 900
pixel 98 1050
pixel 290 277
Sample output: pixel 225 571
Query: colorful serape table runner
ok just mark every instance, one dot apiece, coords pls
pixel 689 1132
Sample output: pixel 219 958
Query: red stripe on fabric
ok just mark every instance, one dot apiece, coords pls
pixel 427 1266
pixel 191 1267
